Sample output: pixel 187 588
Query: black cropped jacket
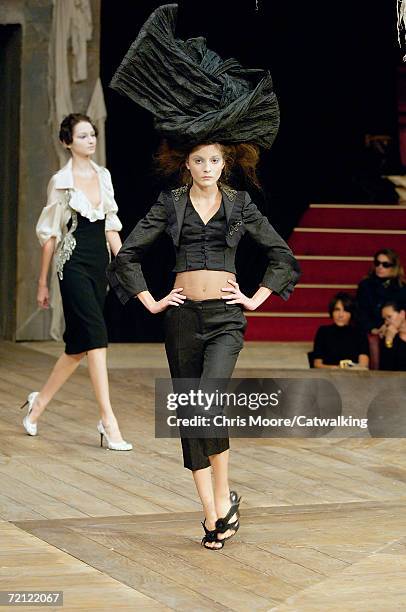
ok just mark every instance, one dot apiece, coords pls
pixel 166 215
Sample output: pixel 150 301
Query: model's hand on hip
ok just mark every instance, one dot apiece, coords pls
pixel 43 296
pixel 174 298
pixel 235 296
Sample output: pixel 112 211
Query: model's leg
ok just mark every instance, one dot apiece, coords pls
pixel 220 357
pixel 97 362
pixel 184 351
pixel 219 464
pixel 204 486
pixel 63 369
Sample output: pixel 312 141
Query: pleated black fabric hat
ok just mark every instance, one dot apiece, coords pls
pixel 194 95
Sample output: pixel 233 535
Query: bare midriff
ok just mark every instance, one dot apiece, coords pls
pixel 203 284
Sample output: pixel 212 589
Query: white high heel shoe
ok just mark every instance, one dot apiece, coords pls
pixel 30 428
pixel 117 446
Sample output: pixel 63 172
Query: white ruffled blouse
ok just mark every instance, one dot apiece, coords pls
pixel 63 197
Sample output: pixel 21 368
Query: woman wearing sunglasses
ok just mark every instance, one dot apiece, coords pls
pixel 384 283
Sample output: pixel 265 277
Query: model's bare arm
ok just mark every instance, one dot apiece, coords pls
pixel 46 258
pixel 174 298
pixel 235 296
pixel 114 240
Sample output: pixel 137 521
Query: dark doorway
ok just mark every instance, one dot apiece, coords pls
pixel 10 80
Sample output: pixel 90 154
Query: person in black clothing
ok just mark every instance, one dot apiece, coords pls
pixel 385 283
pixel 205 322
pixel 342 340
pixel 212 114
pixel 393 348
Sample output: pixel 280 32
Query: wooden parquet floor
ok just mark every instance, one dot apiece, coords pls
pixel 323 520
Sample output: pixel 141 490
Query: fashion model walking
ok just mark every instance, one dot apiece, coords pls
pixel 80 218
pixel 213 115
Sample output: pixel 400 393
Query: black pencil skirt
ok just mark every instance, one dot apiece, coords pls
pixel 84 288
pixel 203 341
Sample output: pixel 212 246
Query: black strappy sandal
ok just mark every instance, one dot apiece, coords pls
pixel 223 525
pixel 209 537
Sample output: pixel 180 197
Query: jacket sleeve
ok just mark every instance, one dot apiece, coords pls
pixel 124 273
pixel 283 270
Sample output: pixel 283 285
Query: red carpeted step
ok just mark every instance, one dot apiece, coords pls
pixel 284 329
pixel 334 245
pixel 357 216
pixel 305 299
pixel 335 271
pixel 309 241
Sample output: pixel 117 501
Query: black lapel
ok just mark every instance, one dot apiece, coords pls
pixel 228 207
pixel 179 199
pixel 229 196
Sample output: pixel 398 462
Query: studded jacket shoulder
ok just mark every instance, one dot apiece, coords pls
pixel 167 214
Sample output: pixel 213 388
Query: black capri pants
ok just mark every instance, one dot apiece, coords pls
pixel 203 341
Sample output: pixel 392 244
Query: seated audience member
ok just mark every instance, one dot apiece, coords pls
pixel 384 283
pixel 341 341
pixel 393 348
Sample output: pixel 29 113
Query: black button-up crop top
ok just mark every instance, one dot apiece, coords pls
pixel 202 246
pixel 198 246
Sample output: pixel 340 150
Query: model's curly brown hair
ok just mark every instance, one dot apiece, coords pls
pixel 170 160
